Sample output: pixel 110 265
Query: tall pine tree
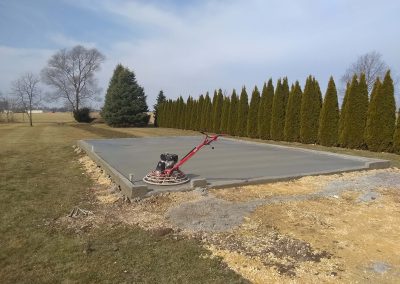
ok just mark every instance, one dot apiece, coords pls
pixel 381 119
pixel 329 117
pixel 265 111
pixel 233 114
pixel 311 103
pixel 243 110
pixel 125 103
pixel 292 120
pixel 355 116
pixel 252 119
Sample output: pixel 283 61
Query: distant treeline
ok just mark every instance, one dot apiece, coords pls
pixel 291 114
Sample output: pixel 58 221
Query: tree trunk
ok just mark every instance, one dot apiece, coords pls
pixel 77 101
pixel 30 113
pixel 30 117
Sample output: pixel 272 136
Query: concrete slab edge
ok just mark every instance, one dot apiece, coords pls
pixel 128 189
pixel 266 180
pixel 370 163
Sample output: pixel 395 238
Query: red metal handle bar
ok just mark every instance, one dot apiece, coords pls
pixel 207 140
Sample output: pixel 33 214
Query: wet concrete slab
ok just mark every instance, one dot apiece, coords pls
pixel 231 162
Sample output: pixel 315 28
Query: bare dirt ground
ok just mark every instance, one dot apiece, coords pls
pixel 343 227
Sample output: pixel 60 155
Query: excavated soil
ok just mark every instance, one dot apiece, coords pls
pixel 342 227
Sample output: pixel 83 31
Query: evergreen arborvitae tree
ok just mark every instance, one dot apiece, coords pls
pixel 175 114
pixel 372 128
pixel 355 116
pixel 342 112
pixel 217 112
pixel 265 111
pixel 243 110
pixel 160 100
pixel 252 119
pixel 163 116
pixel 210 122
pixel 125 103
pixel 233 114
pixel 225 115
pixel 182 113
pixel 329 117
pixel 292 119
pixel 199 114
pixel 209 116
pixel 193 113
pixel 396 137
pixel 205 113
pixel 167 108
pixel 285 90
pixel 311 103
pixel 278 111
pixel 172 114
pixel 381 119
pixel 188 112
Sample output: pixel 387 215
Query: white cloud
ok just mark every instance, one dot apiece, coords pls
pixel 65 42
pixel 16 61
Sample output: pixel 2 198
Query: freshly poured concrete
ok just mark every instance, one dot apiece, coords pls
pixel 232 162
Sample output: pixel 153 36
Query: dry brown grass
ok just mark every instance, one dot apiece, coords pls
pixel 41 181
pixel 148 131
pixel 303 185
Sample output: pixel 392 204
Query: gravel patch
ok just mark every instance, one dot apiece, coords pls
pixel 364 183
pixel 380 267
pixel 211 214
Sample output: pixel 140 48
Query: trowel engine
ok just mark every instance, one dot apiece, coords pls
pixel 167 161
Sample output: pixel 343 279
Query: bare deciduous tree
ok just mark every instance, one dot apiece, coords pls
pixel 371 64
pixel 3 106
pixel 27 92
pixel 8 105
pixel 71 75
pixel 12 107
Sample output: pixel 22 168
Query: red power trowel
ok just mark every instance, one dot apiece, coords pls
pixel 167 171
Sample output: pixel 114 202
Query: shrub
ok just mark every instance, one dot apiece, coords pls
pixel 82 115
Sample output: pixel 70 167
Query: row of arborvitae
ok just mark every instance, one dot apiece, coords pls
pixel 294 115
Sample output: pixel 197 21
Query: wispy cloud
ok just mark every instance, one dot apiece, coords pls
pixel 64 41
pixel 16 61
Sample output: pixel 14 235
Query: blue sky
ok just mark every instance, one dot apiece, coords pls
pixel 190 47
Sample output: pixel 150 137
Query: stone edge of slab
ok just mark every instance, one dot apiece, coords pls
pixel 128 189
pixel 370 163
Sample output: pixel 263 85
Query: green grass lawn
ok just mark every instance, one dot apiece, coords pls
pixel 40 182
